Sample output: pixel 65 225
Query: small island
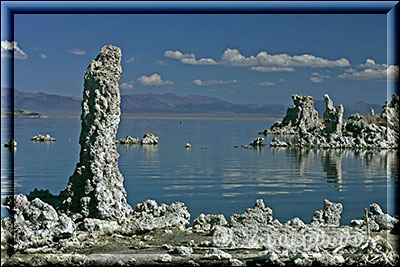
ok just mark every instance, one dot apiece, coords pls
pixel 374 131
pixel 21 114
pixel 43 138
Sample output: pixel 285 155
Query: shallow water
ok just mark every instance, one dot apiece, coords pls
pixel 213 176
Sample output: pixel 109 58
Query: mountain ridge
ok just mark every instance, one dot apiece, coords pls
pixel 163 103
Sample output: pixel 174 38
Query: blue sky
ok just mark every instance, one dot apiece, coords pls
pixel 261 59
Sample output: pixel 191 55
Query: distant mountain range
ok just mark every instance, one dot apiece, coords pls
pixel 50 104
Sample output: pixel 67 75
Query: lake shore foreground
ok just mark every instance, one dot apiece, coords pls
pixel 90 222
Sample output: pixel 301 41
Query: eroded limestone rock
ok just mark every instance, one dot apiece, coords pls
pixel 149 215
pixel 358 132
pixel 330 215
pixel 278 143
pixel 333 117
pixel 149 139
pixel 129 140
pixel 377 220
pixel 43 138
pixel 205 223
pixel 302 117
pixel 96 188
pixel 36 223
pixel 257 142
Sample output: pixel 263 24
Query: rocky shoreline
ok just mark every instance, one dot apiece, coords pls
pixel 156 234
pixel 90 222
pixel 358 132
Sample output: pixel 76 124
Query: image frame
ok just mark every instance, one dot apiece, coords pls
pixel 11 8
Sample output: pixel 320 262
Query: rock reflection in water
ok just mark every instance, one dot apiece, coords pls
pixel 332 160
pixel 150 151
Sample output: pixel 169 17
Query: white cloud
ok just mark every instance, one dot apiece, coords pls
pixel 260 62
pixel 153 80
pixel 198 82
pixel 371 64
pixel 212 82
pixel 266 83
pixel 391 73
pixel 271 69
pixel 130 60
pixel 318 78
pixel 11 49
pixel 160 62
pixel 43 56
pixel 127 85
pixel 232 57
pixel 77 51
pixel 189 58
pixel 372 71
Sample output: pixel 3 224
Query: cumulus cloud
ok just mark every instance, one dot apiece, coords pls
pixel 266 83
pixel 233 57
pixel 391 73
pixel 12 50
pixel 260 62
pixel 271 69
pixel 189 58
pixel 153 80
pixel 318 78
pixel 130 60
pixel 77 51
pixel 371 70
pixel 127 85
pixel 212 82
pixel 43 56
pixel 160 62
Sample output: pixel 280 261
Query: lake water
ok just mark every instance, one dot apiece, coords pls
pixel 213 176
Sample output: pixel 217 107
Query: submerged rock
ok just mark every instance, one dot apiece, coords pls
pixel 149 139
pixel 43 138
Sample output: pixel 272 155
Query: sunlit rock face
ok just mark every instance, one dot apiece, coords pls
pixel 96 187
pixel 302 117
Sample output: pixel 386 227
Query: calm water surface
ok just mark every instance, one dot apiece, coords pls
pixel 213 176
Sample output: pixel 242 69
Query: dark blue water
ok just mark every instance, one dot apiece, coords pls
pixel 212 176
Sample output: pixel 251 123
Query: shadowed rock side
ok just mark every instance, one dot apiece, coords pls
pixel 358 132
